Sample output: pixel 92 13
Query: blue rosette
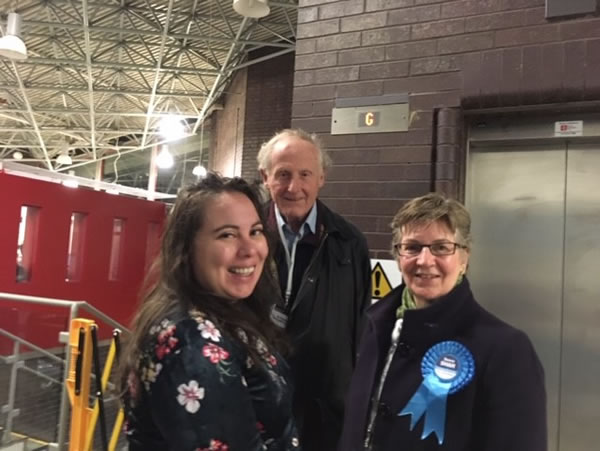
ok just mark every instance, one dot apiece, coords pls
pixel 447 368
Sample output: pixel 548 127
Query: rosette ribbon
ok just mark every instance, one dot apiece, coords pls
pixel 447 368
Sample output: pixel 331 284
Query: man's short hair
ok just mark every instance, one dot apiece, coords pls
pixel 264 155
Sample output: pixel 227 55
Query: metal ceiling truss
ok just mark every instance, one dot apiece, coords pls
pixel 100 75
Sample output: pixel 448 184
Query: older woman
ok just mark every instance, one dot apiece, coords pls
pixel 436 371
pixel 202 371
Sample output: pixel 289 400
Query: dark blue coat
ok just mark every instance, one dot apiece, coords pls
pixel 503 408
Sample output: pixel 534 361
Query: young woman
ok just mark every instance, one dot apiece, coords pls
pixel 202 371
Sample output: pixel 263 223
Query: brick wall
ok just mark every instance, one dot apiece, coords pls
pixel 228 129
pixel 268 105
pixel 450 56
pixel 257 104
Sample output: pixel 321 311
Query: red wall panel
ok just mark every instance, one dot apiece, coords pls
pixel 117 298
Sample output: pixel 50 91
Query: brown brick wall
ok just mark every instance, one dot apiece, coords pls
pixel 268 105
pixel 228 132
pixel 449 56
pixel 257 104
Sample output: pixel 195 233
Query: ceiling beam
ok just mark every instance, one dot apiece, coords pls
pixel 214 91
pixel 157 74
pixel 34 123
pixel 291 5
pixel 85 111
pixel 61 62
pixel 55 88
pixel 105 157
pixel 138 32
pixel 261 59
pixel 58 129
pixel 90 76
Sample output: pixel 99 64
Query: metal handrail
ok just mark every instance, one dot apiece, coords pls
pixel 40 375
pixel 38 350
pixel 65 303
pixel 74 307
pixel 31 346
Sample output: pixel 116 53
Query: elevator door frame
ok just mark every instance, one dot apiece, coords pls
pixel 499 133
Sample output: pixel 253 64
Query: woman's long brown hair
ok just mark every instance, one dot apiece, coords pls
pixel 171 286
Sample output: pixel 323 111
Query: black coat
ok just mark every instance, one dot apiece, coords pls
pixel 503 408
pixel 324 327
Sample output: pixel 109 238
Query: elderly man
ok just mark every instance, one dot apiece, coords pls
pixel 324 272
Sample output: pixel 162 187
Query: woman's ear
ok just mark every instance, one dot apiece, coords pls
pixel 466 266
pixel 464 261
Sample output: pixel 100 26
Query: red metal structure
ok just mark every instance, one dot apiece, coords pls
pixel 76 244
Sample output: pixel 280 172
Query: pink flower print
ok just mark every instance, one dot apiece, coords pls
pixel 166 340
pixel 215 445
pixel 165 334
pixel 164 324
pixel 165 343
pixel 209 331
pixel 214 353
pixel 162 350
pixel 190 395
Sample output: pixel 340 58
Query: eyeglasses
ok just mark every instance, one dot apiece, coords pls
pixel 437 249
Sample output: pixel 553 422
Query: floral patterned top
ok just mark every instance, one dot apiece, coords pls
pixel 199 390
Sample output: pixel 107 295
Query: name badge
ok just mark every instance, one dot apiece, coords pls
pixel 279 317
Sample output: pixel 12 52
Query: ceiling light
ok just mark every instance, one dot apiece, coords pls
pixel 64 158
pixel 11 44
pixel 199 171
pixel 171 128
pixel 251 8
pixel 164 159
pixel 17 155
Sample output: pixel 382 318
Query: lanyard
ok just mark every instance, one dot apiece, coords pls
pixel 375 400
pixel 290 257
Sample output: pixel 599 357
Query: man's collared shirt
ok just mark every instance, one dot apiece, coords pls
pixel 308 226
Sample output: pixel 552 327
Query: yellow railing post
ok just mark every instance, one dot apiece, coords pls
pixel 114 438
pixel 83 417
pixel 78 381
pixel 120 416
pixel 110 358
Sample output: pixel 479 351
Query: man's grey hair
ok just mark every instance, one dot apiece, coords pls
pixel 264 154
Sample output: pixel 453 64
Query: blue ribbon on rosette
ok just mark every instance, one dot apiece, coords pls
pixel 447 368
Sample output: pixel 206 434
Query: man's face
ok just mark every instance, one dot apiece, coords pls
pixel 294 178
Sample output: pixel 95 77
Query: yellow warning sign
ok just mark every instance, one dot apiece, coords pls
pixel 380 284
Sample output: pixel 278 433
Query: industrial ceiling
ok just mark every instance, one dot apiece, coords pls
pixel 100 75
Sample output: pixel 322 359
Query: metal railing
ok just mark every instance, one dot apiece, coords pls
pixel 17 363
pixel 75 310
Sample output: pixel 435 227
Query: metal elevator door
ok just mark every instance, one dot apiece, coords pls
pixel 536 264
